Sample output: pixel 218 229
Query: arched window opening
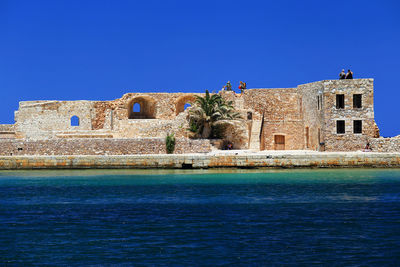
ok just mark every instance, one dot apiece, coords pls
pixel 136 107
pixel 142 107
pixel 183 103
pixel 74 121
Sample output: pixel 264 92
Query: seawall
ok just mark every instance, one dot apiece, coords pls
pixel 234 159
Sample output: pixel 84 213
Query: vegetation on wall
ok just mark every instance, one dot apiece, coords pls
pixel 170 143
pixel 206 111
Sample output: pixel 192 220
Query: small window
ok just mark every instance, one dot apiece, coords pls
pixel 249 115
pixel 340 127
pixel 318 104
pixel 357 127
pixel 307 137
pixel 187 105
pixel 340 101
pixel 357 101
pixel 75 121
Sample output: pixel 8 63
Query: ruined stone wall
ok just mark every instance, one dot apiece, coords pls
pixel 311 101
pixel 48 119
pixel 41 119
pixel 276 104
pixel 291 112
pixel 349 141
pixel 7 127
pixel 385 144
pixel 282 116
pixel 163 106
pixel 291 130
pixel 99 146
pixel 7 131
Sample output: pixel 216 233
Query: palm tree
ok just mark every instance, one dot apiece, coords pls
pixel 207 110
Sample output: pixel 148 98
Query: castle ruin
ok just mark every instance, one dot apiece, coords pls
pixel 330 115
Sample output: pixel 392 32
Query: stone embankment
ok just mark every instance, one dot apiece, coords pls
pixel 99 146
pixel 236 159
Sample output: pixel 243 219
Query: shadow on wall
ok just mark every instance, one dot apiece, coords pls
pixel 142 107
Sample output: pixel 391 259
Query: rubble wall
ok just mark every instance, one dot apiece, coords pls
pixel 40 119
pixel 312 114
pixel 349 141
pixel 385 144
pixel 100 146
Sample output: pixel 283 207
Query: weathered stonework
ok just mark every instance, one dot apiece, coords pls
pixel 385 144
pixel 195 161
pixel 301 118
pixel 100 146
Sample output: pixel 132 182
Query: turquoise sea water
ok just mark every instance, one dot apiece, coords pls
pixel 200 218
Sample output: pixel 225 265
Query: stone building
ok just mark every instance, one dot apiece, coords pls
pixel 330 115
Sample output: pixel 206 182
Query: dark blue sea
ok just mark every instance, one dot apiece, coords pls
pixel 340 217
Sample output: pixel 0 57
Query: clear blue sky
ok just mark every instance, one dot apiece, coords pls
pixel 99 50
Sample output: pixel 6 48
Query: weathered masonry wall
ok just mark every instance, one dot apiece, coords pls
pixel 348 141
pixel 99 146
pixel 7 131
pixel 314 160
pixel 385 144
pixel 301 118
pixel 42 119
pixel 313 116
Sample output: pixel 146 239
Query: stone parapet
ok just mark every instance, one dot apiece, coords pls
pixel 7 128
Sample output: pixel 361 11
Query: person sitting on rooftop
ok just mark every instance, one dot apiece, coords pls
pixel 349 74
pixel 228 86
pixel 342 75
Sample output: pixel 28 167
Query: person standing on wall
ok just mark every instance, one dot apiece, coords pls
pixel 242 87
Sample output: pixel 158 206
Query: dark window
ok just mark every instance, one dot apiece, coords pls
pixel 75 121
pixel 340 127
pixel 318 102
pixel 249 115
pixel 357 102
pixel 357 127
pixel 339 101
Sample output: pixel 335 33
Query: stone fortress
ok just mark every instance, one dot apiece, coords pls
pixel 330 115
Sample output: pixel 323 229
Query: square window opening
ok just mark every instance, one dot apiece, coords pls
pixel 357 126
pixel 340 101
pixel 357 101
pixel 340 127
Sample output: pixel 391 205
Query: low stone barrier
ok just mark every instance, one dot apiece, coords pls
pixel 6 127
pixel 276 160
pixel 99 146
pixel 385 144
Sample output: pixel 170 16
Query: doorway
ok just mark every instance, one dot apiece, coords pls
pixel 279 142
